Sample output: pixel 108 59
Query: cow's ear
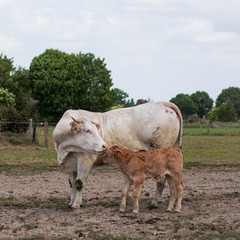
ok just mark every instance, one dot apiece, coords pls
pixel 74 127
pixel 96 124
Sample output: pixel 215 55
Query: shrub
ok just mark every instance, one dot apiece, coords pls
pixel 13 120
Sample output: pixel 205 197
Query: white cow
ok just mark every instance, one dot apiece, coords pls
pixel 144 127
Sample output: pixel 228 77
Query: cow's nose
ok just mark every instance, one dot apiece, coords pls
pixel 104 147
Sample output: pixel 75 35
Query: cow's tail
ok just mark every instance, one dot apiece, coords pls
pixel 178 142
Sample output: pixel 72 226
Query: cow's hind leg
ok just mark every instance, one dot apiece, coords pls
pixel 158 193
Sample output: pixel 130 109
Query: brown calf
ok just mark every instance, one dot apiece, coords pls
pixel 157 164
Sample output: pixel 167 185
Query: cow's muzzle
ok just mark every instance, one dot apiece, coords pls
pixel 104 149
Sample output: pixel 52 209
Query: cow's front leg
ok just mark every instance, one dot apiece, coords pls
pixel 72 179
pixel 158 193
pixel 83 169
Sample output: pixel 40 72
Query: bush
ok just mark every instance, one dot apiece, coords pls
pixel 13 120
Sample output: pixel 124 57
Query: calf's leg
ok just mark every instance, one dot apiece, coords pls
pixel 179 190
pixel 125 190
pixel 172 193
pixel 138 182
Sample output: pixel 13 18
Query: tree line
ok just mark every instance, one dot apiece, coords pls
pixel 227 105
pixel 56 81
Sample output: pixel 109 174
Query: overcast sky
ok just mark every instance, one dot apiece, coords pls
pixel 154 48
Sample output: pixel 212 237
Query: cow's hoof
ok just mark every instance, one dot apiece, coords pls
pixel 75 206
pixel 152 206
pixel 169 210
pixel 177 210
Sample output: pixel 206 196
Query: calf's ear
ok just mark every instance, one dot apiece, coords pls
pixel 119 154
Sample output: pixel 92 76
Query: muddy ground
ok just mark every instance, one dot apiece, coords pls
pixel 36 207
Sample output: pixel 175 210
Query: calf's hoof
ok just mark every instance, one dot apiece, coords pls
pixel 135 211
pixel 177 210
pixel 121 210
pixel 169 210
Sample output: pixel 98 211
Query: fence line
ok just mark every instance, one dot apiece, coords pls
pixel 33 131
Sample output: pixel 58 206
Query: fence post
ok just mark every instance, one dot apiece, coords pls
pixel 208 130
pixel 35 126
pixel 30 128
pixel 46 134
pixel 200 129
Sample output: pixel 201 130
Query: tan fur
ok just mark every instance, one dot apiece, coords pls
pixel 76 125
pixel 157 164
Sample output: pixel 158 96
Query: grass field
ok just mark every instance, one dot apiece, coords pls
pixel 216 131
pixel 197 151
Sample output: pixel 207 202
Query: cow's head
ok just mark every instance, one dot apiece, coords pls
pixel 87 136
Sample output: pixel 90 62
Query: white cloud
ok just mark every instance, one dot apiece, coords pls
pixel 4 3
pixel 200 31
pixel 8 43
pixel 168 42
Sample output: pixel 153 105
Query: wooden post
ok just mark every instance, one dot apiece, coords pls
pixel 200 129
pixel 208 129
pixel 46 134
pixel 30 128
pixel 35 126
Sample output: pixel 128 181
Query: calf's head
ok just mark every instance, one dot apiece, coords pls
pixel 114 154
pixel 87 136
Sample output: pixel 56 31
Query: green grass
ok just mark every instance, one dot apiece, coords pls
pixel 218 131
pixel 197 151
pixel 211 150
pixel 27 161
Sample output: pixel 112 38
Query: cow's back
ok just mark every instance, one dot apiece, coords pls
pixel 144 127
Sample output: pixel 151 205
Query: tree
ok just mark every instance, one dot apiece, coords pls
pixel 6 68
pixel 230 94
pixel 185 104
pixel 21 88
pixel 141 101
pixel 202 102
pixel 7 99
pixel 227 113
pixel 213 114
pixel 95 83
pixel 62 81
pixel 119 97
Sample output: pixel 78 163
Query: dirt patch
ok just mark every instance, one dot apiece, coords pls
pixel 36 207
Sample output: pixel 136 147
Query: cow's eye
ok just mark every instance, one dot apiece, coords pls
pixel 87 131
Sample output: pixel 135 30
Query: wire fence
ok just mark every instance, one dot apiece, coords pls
pixel 39 133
